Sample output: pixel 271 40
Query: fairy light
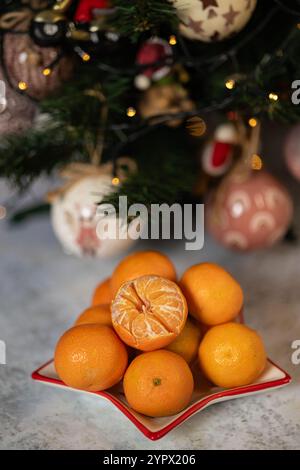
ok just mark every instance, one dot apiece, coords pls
pixel 252 122
pixel 47 71
pixel 115 181
pixel 256 162
pixel 273 96
pixel 172 40
pixel 86 57
pixel 22 86
pixel 131 112
pixel 230 84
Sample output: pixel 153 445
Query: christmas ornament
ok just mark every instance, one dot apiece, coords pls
pixel 250 210
pixel 74 212
pixel 27 63
pixel 165 99
pixel 196 126
pixel 16 111
pixel 292 151
pixel 49 27
pixel 53 26
pixel 156 53
pixel 213 20
pixel 36 70
pixel 87 9
pixel 218 154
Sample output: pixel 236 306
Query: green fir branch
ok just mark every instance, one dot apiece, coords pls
pixel 133 18
pixel 166 170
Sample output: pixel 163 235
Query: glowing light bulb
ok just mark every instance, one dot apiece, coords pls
pixel 230 84
pixel 47 71
pixel 172 40
pixel 256 162
pixel 252 122
pixel 115 181
pixel 131 112
pixel 86 57
pixel 273 96
pixel 22 86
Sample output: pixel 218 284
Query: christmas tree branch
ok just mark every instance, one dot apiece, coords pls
pixel 134 18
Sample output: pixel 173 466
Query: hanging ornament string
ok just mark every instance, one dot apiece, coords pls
pixel 250 147
pixel 249 142
pixel 75 172
pixel 11 20
pixel 96 151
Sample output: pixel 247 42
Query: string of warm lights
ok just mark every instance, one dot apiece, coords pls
pixel 140 126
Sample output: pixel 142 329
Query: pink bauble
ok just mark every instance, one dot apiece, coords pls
pixel 250 212
pixel 292 151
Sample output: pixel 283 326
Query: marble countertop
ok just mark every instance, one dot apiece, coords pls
pixel 42 291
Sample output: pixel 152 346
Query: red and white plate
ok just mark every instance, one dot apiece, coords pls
pixel 205 394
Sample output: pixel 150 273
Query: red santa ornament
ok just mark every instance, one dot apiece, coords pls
pixel 156 53
pixel 217 154
pixel 87 8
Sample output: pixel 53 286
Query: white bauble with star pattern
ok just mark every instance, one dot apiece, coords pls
pixel 213 20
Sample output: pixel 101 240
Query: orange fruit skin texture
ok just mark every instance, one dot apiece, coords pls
pixel 98 314
pixel 212 294
pixel 139 264
pixel 102 294
pixel 187 343
pixel 149 312
pixel 158 383
pixel 232 355
pixel 90 357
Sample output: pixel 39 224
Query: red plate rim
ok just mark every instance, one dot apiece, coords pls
pixel 193 409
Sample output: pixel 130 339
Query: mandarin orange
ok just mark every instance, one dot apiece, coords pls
pixel 232 355
pixel 212 294
pixel 90 357
pixel 139 264
pixel 149 312
pixel 158 383
pixel 102 294
pixel 97 314
pixel 187 343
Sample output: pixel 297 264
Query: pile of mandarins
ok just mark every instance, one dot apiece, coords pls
pixel 142 312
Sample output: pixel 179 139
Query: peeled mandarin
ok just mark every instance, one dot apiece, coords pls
pixel 149 312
